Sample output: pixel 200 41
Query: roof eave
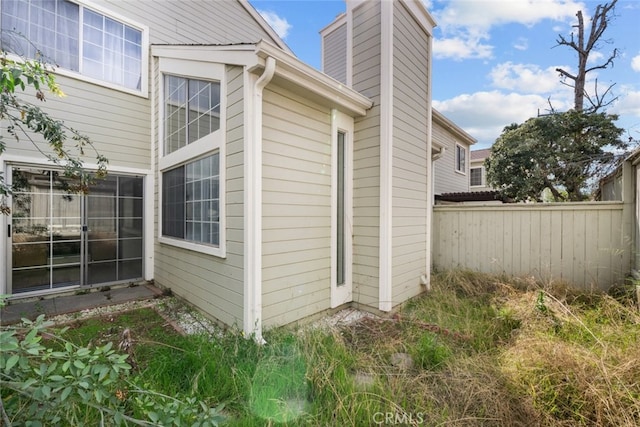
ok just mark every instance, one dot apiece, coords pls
pixel 297 72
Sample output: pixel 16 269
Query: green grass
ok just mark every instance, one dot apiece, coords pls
pixel 486 350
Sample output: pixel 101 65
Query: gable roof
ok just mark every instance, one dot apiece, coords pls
pixel 290 71
pixel 456 130
pixel 265 25
pixel 480 154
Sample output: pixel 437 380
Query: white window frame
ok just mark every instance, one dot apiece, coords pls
pixel 210 144
pixel 144 72
pixel 341 294
pixel 456 159
pixel 481 176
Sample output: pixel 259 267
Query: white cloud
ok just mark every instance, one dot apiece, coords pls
pixel 485 114
pixel 528 78
pixel 459 48
pixel 521 43
pixel 465 24
pixel 628 104
pixel 595 57
pixel 485 14
pixel 635 63
pixel 279 24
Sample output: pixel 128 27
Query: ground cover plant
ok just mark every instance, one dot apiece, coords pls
pixel 475 350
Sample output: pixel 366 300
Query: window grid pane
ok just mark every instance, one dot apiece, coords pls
pixel 192 111
pixel 112 51
pixel 191 201
pixel 476 176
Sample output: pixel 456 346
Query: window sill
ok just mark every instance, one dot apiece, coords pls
pixel 143 93
pixel 192 246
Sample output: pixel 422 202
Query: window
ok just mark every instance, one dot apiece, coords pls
pixel 75 38
pixel 192 158
pixel 192 111
pixel 461 155
pixel 475 177
pixel 191 201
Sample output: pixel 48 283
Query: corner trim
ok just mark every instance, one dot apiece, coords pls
pixel 385 291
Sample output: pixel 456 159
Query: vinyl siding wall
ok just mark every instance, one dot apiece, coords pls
pixel 446 178
pixel 366 154
pixel 117 122
pixel 335 54
pixel 296 256
pixel 410 133
pixel 213 284
pixel 193 21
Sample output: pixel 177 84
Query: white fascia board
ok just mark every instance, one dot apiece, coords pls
pixel 421 15
pixel 445 122
pixel 297 72
pixel 337 23
pixel 241 55
pixel 265 25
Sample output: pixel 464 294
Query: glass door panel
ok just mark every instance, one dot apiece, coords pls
pixel 114 220
pixel 46 238
pixel 61 239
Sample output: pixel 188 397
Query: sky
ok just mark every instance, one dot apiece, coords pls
pixel 494 61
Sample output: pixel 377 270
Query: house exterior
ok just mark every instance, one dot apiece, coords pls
pixel 452 146
pixel 255 187
pixel 478 172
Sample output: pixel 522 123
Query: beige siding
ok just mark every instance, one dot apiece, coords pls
pixel 366 154
pixel 335 54
pixel 586 244
pixel 193 21
pixel 410 112
pixel 117 122
pixel 213 284
pixel 446 178
pixel 296 195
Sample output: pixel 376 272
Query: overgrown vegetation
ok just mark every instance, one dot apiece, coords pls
pixel 475 350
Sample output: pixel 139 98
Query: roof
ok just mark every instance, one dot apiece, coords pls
pixel 480 154
pixel 290 71
pixel 472 196
pixel 265 25
pixel 451 126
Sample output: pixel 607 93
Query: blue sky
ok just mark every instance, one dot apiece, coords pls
pixel 494 61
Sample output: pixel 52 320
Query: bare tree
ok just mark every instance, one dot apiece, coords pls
pixel 583 48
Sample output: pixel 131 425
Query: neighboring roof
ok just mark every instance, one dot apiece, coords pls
pixel 473 196
pixel 265 25
pixel 439 118
pixel 480 154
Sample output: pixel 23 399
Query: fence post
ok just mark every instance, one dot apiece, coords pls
pixel 631 257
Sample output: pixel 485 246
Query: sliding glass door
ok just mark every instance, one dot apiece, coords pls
pixel 59 239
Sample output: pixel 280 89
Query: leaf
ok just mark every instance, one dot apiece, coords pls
pixel 79 364
pixel 11 362
pixel 65 393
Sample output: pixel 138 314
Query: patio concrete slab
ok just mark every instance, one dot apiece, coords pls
pixel 53 306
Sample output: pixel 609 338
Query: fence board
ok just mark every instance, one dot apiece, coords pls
pixel 581 243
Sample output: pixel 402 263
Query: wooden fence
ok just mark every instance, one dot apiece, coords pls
pixel 587 244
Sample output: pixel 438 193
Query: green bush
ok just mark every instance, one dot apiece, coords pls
pixel 45 380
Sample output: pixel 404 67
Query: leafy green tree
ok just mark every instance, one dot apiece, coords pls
pixel 559 152
pixel 22 80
